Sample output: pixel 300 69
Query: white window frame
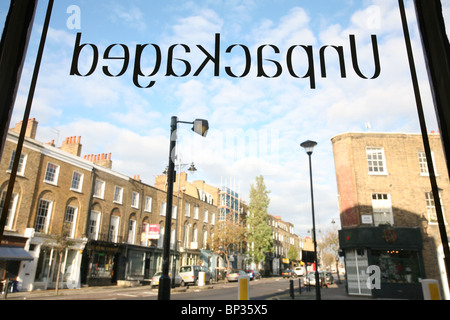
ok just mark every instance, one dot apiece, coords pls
pixel 381 204
pixel 423 164
pixel 187 209
pixel 22 163
pixel 43 226
pixel 74 219
pixel 79 179
pixel 95 216
pixel 148 204
pixel 11 210
pixel 131 231
pixel 54 174
pixel 99 188
pixel 118 194
pixel 135 199
pixel 162 211
pixel 431 208
pixel 196 209
pixel 380 169
pixel 113 232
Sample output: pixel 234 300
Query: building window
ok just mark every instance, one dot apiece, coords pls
pixel 118 194
pixel 424 165
pixel 205 216
pixel 113 229
pixel 148 204
pixel 70 219
pixel 22 161
pixel 162 211
pixel 375 161
pixel 77 181
pixel 11 210
pixel 382 209
pixel 431 207
pixel 174 212
pixel 51 174
pixel 196 212
pixel 187 209
pixel 99 189
pixel 131 231
pixel 135 199
pixel 43 215
pixel 94 224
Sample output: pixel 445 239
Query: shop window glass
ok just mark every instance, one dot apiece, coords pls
pixel 398 266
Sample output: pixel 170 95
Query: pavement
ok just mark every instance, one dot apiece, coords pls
pixel 333 292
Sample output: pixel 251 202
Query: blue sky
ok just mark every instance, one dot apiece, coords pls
pixel 256 123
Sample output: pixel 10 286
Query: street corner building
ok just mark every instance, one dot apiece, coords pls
pixel 388 214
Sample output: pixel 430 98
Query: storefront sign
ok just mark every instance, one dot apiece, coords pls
pixel 153 231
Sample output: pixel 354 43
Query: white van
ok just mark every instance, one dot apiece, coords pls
pixel 190 274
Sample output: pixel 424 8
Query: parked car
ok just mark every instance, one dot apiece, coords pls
pixel 298 271
pixel 155 279
pixel 325 278
pixel 310 279
pixel 288 273
pixel 190 274
pixel 253 274
pixel 233 275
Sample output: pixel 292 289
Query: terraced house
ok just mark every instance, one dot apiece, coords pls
pixel 115 223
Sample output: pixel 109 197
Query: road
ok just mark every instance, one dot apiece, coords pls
pixel 259 290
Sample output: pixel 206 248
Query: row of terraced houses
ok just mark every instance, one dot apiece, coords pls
pixel 115 222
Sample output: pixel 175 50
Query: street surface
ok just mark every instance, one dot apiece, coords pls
pixel 262 289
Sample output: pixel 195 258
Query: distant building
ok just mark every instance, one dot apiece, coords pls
pixel 387 211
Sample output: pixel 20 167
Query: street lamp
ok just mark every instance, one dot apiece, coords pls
pixel 200 127
pixel 191 169
pixel 309 146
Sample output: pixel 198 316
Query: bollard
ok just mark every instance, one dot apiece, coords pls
pixel 300 286
pixel 201 279
pixel 291 288
pixel 430 288
pixel 243 287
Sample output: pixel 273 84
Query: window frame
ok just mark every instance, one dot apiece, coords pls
pixel 370 151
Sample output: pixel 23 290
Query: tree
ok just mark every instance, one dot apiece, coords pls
pixel 260 240
pixel 330 249
pixel 228 237
pixel 60 243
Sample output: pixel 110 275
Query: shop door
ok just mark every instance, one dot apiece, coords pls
pixel 356 263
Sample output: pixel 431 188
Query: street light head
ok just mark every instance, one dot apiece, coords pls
pixel 309 146
pixel 192 168
pixel 201 127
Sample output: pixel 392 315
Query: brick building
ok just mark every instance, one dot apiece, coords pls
pixel 284 239
pixel 115 222
pixel 387 211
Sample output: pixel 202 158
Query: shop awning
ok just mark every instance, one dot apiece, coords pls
pixel 14 254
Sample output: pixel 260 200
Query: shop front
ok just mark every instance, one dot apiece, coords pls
pixel 383 262
pixel 99 264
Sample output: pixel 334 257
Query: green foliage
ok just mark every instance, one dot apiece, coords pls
pixel 260 241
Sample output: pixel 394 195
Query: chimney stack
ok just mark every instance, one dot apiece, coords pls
pixel 31 128
pixel 72 145
pixel 103 159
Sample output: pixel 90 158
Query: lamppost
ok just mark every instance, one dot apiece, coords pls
pixel 200 127
pixel 191 169
pixel 309 146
